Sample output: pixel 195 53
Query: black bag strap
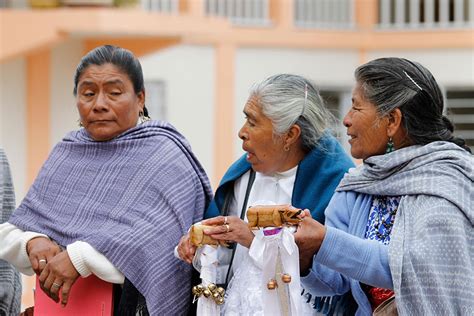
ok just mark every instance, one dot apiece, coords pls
pixel 242 215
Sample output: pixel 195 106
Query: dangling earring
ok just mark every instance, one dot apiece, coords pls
pixel 390 146
pixel 79 123
pixel 142 118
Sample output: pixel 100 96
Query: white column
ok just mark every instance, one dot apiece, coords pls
pixel 414 13
pixel 444 12
pixel 399 13
pixel 459 12
pixel 385 13
pixel 429 13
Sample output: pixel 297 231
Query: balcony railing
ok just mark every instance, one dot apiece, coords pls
pixel 324 14
pixel 166 6
pixel 240 12
pixel 419 14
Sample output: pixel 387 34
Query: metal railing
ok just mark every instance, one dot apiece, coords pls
pixel 416 14
pixel 325 14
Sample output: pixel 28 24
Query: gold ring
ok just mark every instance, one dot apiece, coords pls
pixel 225 220
pixel 55 285
pixel 227 227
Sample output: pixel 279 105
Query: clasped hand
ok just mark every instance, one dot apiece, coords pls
pixel 54 268
pixel 227 229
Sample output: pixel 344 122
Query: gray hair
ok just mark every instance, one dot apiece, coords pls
pixel 282 99
pixel 397 83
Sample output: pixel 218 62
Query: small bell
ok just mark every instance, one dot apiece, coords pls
pixel 272 284
pixel 221 291
pixel 206 293
pixel 286 278
pixel 220 301
pixel 212 287
pixel 215 296
pixel 196 291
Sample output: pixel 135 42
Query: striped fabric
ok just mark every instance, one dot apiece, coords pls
pixel 131 198
pixel 432 243
pixel 10 282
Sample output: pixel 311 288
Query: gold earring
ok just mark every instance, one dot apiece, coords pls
pixel 286 148
pixel 79 123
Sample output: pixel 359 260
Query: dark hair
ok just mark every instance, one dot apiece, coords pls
pixel 117 56
pixel 391 83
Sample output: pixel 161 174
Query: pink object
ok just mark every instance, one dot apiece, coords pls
pixel 89 296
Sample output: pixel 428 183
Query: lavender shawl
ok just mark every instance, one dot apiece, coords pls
pixel 131 198
pixel 431 253
pixel 10 282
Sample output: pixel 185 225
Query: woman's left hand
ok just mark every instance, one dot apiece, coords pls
pixel 229 228
pixel 59 273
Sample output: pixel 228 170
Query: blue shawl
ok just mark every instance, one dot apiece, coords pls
pixel 131 198
pixel 316 179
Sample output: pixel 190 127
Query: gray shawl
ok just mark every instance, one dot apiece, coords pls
pixel 431 253
pixel 10 282
pixel 131 198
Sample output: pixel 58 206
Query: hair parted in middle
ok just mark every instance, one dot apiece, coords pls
pixel 288 99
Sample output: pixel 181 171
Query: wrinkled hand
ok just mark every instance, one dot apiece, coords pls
pixel 40 250
pixel 308 237
pixel 230 228
pixel 59 273
pixel 28 312
pixel 186 250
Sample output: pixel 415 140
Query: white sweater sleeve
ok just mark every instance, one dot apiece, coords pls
pixel 13 247
pixel 89 261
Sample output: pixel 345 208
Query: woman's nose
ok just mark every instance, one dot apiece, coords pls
pixel 242 133
pixel 346 121
pixel 100 102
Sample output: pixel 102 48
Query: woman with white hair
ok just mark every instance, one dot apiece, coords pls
pixel 290 158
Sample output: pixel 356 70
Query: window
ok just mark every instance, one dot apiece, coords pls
pixel 460 110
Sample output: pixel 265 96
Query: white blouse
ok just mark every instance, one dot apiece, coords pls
pixel 266 190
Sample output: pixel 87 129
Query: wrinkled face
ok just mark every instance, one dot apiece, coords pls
pixel 367 132
pixel 107 102
pixel 264 151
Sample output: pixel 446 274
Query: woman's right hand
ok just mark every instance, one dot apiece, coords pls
pixel 186 250
pixel 40 251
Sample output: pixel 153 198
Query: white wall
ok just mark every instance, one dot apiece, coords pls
pixel 188 73
pixel 13 120
pixel 64 116
pixel 330 69
pixel 450 67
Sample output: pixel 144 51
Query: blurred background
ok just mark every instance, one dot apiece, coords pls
pixel 200 58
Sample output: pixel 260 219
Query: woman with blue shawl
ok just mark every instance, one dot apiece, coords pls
pixel 291 158
pixel 399 229
pixel 112 198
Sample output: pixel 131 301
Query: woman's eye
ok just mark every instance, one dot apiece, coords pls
pixel 115 93
pixel 88 94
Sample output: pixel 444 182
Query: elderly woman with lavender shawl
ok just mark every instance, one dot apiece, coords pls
pixel 399 229
pixel 116 194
